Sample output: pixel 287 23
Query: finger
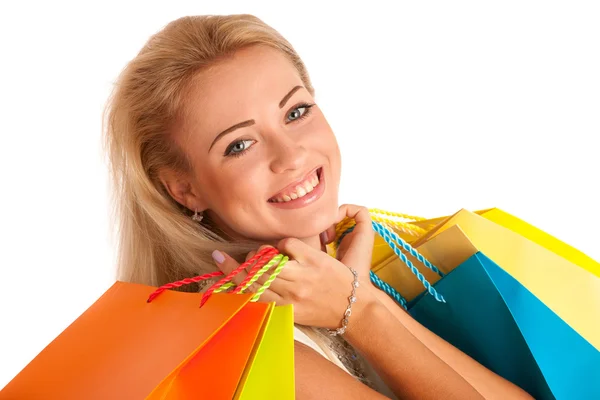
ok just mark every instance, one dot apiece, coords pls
pixel 344 245
pixel 253 253
pixel 269 275
pixel 250 255
pixel 288 276
pixel 359 250
pixel 300 251
pixel 227 264
pixel 328 236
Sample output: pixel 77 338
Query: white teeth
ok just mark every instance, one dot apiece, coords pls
pixel 301 190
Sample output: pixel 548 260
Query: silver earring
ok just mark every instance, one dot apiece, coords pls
pixel 197 217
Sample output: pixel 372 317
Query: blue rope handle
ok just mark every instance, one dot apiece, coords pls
pixel 387 235
pixel 412 250
pixel 377 281
pixel 393 293
pixel 384 232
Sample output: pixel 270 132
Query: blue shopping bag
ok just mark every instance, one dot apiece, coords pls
pixel 493 318
pixel 481 309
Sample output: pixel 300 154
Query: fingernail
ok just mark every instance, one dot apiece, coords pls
pixel 324 237
pixel 218 256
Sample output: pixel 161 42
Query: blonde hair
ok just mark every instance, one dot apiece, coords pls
pixel 158 242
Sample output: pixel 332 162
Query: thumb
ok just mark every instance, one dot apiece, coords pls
pixel 359 250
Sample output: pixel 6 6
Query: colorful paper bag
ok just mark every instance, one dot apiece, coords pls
pixel 540 237
pixel 492 317
pixel 270 373
pixel 133 344
pixel 416 227
pixel 567 289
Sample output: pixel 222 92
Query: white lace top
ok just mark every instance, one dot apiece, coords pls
pixel 378 383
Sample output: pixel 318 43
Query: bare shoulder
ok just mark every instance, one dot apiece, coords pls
pixel 319 378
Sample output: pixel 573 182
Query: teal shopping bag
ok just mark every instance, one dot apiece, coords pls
pixel 493 318
pixel 482 310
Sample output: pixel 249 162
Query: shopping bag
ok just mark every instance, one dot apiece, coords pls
pixel 411 228
pixel 270 374
pixel 567 289
pixel 124 347
pixel 542 238
pixel 492 317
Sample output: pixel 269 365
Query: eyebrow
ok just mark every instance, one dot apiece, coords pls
pixel 287 96
pixel 251 122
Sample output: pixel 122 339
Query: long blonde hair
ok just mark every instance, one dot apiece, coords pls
pixel 158 242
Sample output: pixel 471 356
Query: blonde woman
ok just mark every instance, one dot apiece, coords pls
pixel 217 147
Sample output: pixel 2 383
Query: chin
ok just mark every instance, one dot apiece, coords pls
pixel 317 222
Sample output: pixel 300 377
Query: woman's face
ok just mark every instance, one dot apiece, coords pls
pixel 266 164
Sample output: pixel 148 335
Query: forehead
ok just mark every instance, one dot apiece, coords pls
pixel 237 86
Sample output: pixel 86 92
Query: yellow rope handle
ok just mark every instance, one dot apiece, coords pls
pixel 385 217
pixel 405 227
pixel 343 226
pixel 395 214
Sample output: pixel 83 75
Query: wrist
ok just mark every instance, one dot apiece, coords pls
pixel 365 309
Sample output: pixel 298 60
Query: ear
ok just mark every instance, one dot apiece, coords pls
pixel 181 189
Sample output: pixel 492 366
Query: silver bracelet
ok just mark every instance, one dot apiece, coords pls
pixel 351 300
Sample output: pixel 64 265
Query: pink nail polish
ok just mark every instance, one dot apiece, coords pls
pixel 218 256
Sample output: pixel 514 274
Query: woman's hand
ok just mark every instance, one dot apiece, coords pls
pixel 359 240
pixel 317 284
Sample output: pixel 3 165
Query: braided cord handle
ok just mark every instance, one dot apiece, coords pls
pixel 347 226
pixel 412 251
pixel 266 285
pixel 275 260
pixel 389 290
pixel 395 214
pixel 405 227
pixel 260 258
pixel 386 234
pixel 393 240
pixel 280 260
pixel 389 218
pixel 182 282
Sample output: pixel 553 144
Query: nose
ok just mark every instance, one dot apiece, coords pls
pixel 288 156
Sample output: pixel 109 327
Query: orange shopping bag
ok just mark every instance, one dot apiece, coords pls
pixel 124 347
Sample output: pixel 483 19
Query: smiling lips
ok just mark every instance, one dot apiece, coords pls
pixel 298 190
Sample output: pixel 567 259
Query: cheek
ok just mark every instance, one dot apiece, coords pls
pixel 233 187
pixel 329 147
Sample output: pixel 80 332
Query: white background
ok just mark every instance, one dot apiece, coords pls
pixel 438 106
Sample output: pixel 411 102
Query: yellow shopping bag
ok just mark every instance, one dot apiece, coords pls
pixel 573 293
pixel 383 256
pixel 501 218
pixel 542 238
pixel 395 273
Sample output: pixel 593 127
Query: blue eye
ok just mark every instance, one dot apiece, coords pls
pixel 238 148
pixel 299 112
